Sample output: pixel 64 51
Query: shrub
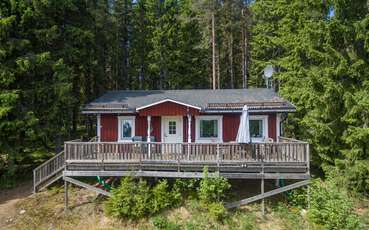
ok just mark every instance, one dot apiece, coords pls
pixel 162 223
pixel 134 199
pixel 217 211
pixel 298 197
pixel 212 189
pixel 331 208
pixel 162 197
pixel 141 206
pixel 130 199
pixel 186 187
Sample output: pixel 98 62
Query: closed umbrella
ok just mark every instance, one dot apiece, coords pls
pixel 243 134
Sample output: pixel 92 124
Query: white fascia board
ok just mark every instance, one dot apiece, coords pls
pixel 167 100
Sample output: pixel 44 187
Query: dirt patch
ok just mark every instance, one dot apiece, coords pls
pixel 9 199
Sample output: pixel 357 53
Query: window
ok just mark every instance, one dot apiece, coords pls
pixel 258 128
pixel 172 127
pixel 126 128
pixel 209 129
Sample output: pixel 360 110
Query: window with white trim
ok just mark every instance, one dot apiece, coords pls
pixel 258 128
pixel 126 128
pixel 209 128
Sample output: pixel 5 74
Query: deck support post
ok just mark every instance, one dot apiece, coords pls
pixel 262 193
pixel 262 190
pixel 149 135
pixel 66 196
pixel 34 182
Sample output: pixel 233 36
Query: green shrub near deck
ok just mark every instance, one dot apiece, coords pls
pixel 134 199
pixel 331 208
pixel 212 189
pixel 130 199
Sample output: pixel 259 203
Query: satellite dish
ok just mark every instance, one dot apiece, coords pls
pixel 268 71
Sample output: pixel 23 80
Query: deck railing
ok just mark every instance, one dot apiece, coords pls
pixel 223 152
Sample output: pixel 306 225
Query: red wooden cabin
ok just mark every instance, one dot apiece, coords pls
pixel 176 133
pixel 196 116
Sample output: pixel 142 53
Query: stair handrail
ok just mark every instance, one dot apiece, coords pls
pixel 37 172
pixel 59 160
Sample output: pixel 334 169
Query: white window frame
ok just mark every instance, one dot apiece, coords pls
pixel 264 119
pixel 219 139
pixel 120 120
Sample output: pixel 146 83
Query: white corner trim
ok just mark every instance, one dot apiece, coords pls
pixel 167 100
pixel 199 139
pixel 120 119
pixel 98 127
pixel 264 119
pixel 278 121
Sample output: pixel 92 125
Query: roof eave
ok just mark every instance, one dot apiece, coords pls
pixel 106 111
pixel 280 110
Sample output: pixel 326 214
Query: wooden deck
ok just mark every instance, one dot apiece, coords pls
pixel 287 158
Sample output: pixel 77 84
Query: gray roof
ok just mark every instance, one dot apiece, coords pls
pixel 258 99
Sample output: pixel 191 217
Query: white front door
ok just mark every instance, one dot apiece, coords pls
pixel 172 129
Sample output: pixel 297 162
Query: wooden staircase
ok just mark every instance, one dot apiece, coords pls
pixel 51 170
pixel 48 172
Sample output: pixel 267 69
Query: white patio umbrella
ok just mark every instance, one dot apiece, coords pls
pixel 243 134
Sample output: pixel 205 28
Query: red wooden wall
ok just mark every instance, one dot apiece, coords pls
pixel 156 124
pixel 272 126
pixel 109 127
pixel 231 123
pixel 168 109
pixel 141 126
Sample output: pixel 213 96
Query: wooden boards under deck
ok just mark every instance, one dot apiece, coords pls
pixel 171 167
pixel 296 176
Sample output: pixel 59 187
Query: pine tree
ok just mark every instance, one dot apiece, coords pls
pixel 322 68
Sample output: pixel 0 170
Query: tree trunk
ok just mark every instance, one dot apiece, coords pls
pixel 213 45
pixel 231 72
pixel 244 50
pixel 218 66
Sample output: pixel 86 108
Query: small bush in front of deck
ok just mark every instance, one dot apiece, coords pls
pixel 130 199
pixel 212 189
pixel 163 197
pixel 186 188
pixel 134 199
pixel 211 193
